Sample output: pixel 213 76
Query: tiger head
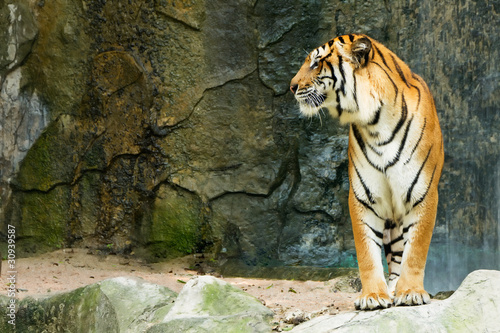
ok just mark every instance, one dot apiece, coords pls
pixel 326 79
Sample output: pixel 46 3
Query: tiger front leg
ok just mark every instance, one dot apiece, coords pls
pixel 368 234
pixel 417 232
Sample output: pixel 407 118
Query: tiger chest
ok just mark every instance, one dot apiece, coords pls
pixel 383 177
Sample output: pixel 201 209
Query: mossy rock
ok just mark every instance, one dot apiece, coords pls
pixel 115 305
pixel 53 158
pixel 207 304
pixel 173 227
pixel 40 219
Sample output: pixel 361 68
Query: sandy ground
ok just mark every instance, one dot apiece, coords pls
pixel 68 269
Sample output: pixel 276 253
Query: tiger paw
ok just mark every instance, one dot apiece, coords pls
pixel 411 297
pixel 373 301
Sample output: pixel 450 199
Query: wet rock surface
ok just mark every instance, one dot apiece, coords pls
pixel 114 114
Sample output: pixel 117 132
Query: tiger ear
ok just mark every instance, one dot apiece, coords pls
pixel 360 49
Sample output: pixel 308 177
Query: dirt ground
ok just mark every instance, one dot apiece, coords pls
pixel 68 269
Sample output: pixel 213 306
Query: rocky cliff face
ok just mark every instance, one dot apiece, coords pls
pixel 167 126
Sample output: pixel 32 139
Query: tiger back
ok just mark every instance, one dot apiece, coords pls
pixel 395 159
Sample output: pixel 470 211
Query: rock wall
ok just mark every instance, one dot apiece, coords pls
pixel 167 126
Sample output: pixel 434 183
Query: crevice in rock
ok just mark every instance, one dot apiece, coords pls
pixel 228 193
pixel 16 188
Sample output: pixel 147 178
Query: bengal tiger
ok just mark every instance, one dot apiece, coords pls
pixel 395 155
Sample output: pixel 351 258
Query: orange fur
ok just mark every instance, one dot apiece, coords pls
pixel 395 159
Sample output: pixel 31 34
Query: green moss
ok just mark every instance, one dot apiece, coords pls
pixel 173 227
pixel 225 300
pixel 51 159
pixel 43 219
pixel 82 310
pixel 161 312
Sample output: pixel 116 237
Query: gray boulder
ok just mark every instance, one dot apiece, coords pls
pixel 207 304
pixel 474 307
pixel 115 305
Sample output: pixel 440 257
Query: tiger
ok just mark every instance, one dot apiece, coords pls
pixel 395 158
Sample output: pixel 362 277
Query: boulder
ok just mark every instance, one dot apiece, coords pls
pixel 207 304
pixel 474 307
pixel 115 305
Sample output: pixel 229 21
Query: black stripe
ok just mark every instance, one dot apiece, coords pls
pixel 422 83
pixel 341 39
pixel 406 229
pixel 355 91
pixel 375 241
pixel 401 146
pixel 367 190
pixel 398 69
pixel 374 150
pixel 427 190
pixel 390 78
pixel 342 74
pixel 381 56
pixel 394 241
pixel 387 250
pixel 376 118
pixel 330 66
pixel 362 146
pixel 351 38
pixel 404 115
pixel 339 107
pixel 318 83
pixel 395 261
pixel 397 254
pixel 365 204
pixel 418 141
pixel 415 180
pixel 418 101
pixel 377 233
pixel 330 42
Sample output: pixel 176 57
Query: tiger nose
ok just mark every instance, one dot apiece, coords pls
pixel 293 88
